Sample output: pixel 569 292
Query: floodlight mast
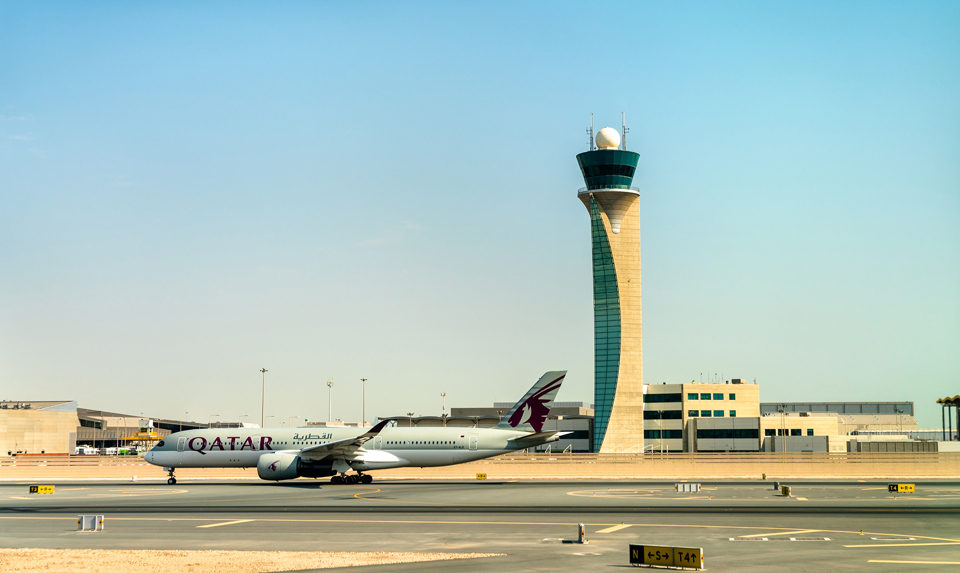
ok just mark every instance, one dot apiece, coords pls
pixel 263 393
pixel 330 399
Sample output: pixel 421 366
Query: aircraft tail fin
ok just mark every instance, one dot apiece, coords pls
pixel 531 411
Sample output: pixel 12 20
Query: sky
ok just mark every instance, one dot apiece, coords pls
pixel 190 192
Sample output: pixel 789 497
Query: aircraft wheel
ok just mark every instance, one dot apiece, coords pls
pixel 367 479
pixel 336 480
pixel 351 479
pixel 172 481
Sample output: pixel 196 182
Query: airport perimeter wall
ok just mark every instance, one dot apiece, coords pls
pixel 859 465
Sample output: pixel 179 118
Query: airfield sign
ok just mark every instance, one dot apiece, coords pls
pixel 688 557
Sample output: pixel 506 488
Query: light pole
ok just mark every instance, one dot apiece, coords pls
pixel 899 425
pixel 783 432
pixel 660 429
pixel 240 417
pixel 443 408
pixel 410 417
pixel 263 393
pixel 210 419
pixel 290 420
pixel 363 401
pixel 271 416
pixel 329 399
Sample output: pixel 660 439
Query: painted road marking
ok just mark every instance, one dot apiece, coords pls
pixel 615 528
pixel 900 544
pixel 563 524
pixel 225 523
pixel 915 562
pixel 782 533
pixel 801 499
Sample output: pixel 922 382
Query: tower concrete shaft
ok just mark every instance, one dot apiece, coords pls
pixel 614 208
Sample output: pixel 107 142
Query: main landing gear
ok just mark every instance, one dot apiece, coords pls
pixel 170 479
pixel 351 479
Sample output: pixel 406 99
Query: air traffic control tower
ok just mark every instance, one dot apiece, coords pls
pixel 614 208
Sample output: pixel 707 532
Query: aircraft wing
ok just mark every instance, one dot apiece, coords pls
pixel 342 448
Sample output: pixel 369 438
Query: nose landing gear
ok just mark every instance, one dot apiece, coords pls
pixel 170 479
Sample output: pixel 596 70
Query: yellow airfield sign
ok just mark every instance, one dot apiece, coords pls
pixel 902 488
pixel 689 557
pixel 481 476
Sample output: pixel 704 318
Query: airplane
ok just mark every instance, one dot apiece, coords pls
pixel 289 453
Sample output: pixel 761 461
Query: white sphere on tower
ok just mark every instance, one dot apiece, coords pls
pixel 608 138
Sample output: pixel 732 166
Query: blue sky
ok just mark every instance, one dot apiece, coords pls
pixel 191 192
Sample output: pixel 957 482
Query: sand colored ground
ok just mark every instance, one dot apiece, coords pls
pixel 148 561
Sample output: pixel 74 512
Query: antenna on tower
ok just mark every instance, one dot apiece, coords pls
pixel 590 134
pixel 624 128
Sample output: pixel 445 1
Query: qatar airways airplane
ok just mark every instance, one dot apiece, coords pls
pixel 288 453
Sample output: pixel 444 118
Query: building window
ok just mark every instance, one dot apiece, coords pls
pixel 810 431
pixel 663 414
pixel 733 413
pixel 780 432
pixel 704 413
pixel 718 396
pixel 663 435
pixel 704 396
pixel 795 432
pixel 769 432
pixel 693 413
pixel 692 396
pixel 662 398
pixel 729 434
pixel 718 413
pixel 733 396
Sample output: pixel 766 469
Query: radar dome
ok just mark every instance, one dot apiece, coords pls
pixel 608 138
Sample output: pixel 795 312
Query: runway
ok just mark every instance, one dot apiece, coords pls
pixel 742 526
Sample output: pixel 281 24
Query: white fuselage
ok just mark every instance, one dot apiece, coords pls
pixel 391 448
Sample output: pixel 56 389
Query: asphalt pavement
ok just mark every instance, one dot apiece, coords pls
pixel 740 525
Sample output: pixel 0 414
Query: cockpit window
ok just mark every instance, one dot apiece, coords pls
pixel 160 444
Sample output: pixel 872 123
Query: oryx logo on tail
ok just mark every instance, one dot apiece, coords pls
pixel 532 410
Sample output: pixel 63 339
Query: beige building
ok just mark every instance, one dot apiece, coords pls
pixel 614 209
pixel 669 409
pixel 38 427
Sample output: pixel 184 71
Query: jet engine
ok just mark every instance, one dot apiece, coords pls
pixel 276 467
